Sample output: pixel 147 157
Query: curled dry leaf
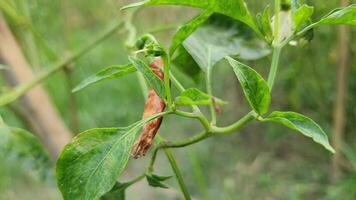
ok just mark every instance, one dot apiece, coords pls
pixel 154 104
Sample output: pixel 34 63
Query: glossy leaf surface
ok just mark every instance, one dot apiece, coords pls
pixel 255 88
pixel 236 9
pixel 302 124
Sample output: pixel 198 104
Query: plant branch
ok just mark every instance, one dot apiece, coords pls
pixel 197 115
pixel 167 84
pixel 185 142
pixel 235 126
pixel 274 66
pixel 176 82
pixel 23 88
pixel 212 131
pixel 178 174
pixel 153 158
pixel 209 88
pixel 135 180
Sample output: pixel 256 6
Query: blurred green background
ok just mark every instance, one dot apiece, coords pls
pixel 260 162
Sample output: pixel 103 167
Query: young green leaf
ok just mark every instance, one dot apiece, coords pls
pixel 154 81
pixel 156 181
pixel 105 74
pixel 302 124
pixel 301 16
pixel 264 24
pixel 236 9
pixel 255 88
pixel 187 29
pixel 346 16
pixel 194 96
pixel 90 164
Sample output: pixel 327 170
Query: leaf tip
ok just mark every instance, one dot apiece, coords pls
pixel 76 89
pixel 133 5
pixel 330 148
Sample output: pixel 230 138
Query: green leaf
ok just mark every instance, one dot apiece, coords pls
pixel 25 147
pixel 194 96
pixel 255 88
pixel 236 9
pixel 209 44
pixel 117 192
pixel 105 74
pixel 218 37
pixel 264 24
pixel 90 164
pixel 302 15
pixel 156 181
pixel 154 81
pixel 187 29
pixel 302 124
pixel 346 16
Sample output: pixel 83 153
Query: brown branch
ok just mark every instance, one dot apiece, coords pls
pixel 38 108
pixel 341 92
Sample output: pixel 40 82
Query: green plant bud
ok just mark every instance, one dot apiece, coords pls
pixel 140 43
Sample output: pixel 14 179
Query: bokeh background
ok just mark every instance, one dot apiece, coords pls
pixel 262 161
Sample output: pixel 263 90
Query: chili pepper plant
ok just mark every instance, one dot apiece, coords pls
pixel 90 166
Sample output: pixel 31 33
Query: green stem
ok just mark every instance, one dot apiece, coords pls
pixel 153 159
pixel 178 174
pixel 25 87
pixel 235 126
pixel 176 82
pixel 209 132
pixel 185 142
pixel 135 180
pixel 274 66
pixel 197 115
pixel 167 84
pixel 209 88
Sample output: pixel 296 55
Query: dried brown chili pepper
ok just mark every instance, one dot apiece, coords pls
pixel 154 104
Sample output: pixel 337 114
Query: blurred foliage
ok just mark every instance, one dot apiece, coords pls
pixel 261 162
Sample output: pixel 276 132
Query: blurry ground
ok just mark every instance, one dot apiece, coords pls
pixel 262 162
